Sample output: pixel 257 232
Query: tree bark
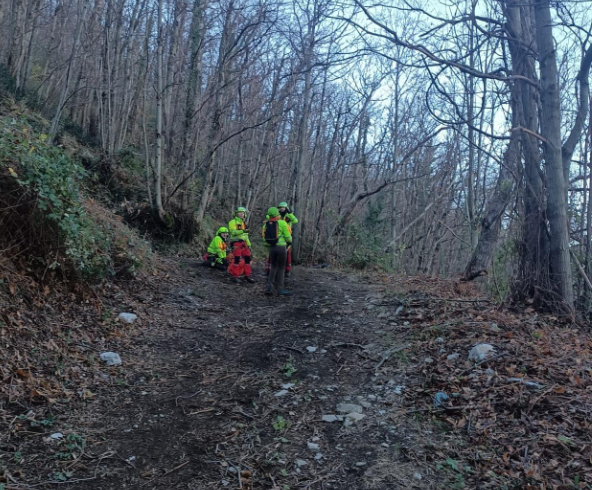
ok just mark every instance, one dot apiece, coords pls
pixel 560 265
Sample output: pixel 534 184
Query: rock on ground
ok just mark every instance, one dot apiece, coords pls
pixel 127 317
pixel 111 358
pixel 481 352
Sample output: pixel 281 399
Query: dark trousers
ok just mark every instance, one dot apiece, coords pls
pixel 288 262
pixel 213 261
pixel 277 259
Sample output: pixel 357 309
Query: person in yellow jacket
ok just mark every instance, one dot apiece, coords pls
pixel 240 246
pixel 291 220
pixel 277 236
pixel 217 254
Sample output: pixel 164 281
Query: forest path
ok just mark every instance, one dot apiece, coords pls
pixel 223 380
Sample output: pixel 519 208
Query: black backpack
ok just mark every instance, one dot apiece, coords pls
pixel 271 233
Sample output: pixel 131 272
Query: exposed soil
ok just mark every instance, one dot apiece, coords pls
pixel 222 387
pixel 197 400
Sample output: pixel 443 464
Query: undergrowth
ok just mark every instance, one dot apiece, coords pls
pixel 46 218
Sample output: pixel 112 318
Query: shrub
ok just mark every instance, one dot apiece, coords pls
pixel 46 216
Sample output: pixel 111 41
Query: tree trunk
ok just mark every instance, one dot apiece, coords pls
pixel 159 117
pixel 560 264
pixel 65 87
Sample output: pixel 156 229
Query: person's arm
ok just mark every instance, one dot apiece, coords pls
pixel 292 219
pixel 286 233
pixel 220 251
pixel 234 232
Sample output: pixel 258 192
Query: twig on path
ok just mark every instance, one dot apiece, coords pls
pixel 292 348
pixel 388 353
pixel 205 410
pixel 437 410
pixel 347 344
pixel 240 412
pixel 168 472
pixel 459 300
pixel 186 397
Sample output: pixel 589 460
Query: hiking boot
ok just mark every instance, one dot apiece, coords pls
pixel 287 274
pixel 235 280
pixel 250 280
pixel 268 290
pixel 284 292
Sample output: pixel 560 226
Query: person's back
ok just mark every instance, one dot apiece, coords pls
pixel 287 216
pixel 277 236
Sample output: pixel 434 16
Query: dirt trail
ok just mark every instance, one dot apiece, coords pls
pixel 222 387
pixel 222 380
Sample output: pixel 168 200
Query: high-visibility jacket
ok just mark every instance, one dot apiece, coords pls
pixel 217 248
pixel 237 229
pixel 284 233
pixel 289 218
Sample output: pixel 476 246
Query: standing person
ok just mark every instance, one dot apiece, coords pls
pixel 216 256
pixel 241 246
pixel 277 236
pixel 291 220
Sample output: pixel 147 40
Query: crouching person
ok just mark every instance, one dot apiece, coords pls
pixel 216 256
pixel 277 237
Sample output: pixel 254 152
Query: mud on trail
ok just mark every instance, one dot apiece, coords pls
pixel 233 386
pixel 223 387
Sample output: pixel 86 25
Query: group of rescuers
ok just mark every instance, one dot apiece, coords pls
pixel 235 257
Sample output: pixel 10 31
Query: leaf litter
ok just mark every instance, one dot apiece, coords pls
pixel 193 404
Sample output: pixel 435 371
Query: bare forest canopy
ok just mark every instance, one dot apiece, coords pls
pixel 421 136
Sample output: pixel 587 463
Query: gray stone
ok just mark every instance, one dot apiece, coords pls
pixel 318 456
pixel 111 358
pixel 365 404
pixel 417 475
pixel 353 417
pixel 281 393
pixel 349 407
pixel 127 317
pixel 440 340
pixel 495 328
pixel 287 386
pixel 372 398
pixel 398 390
pixel 233 470
pixel 332 418
pixel 311 349
pixel 428 360
pixel 361 463
pixel 453 357
pixel 399 310
pixel 57 435
pixel 440 399
pixel 313 446
pixel 481 352
pixel 300 463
